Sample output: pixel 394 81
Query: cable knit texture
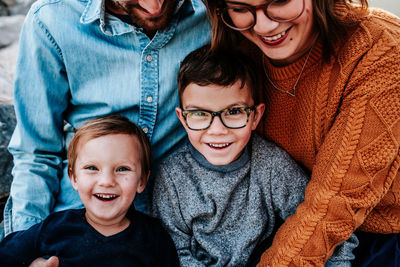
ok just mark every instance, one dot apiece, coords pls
pixel 343 125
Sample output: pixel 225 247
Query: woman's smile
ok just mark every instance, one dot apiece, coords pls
pixel 276 39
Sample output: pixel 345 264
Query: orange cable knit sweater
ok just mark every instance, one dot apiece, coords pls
pixel 344 126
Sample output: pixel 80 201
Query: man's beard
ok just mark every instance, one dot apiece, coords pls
pixel 148 24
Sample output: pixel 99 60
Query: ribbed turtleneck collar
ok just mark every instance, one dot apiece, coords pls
pixel 292 70
pixel 237 164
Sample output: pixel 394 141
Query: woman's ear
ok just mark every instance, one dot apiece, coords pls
pixel 258 113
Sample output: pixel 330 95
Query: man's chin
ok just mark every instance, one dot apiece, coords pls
pixel 153 27
pixel 153 24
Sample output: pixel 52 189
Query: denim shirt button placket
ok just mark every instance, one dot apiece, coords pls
pixel 149 89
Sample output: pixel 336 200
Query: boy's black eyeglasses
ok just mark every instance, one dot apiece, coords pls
pixel 241 16
pixel 232 118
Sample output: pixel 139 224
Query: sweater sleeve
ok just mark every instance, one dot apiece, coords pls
pixel 353 181
pixel 288 183
pixel 20 248
pixel 166 206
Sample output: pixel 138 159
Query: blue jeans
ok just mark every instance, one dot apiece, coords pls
pixel 376 250
pixel 1 230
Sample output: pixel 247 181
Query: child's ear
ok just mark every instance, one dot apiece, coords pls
pixel 180 116
pixel 73 179
pixel 258 113
pixel 142 183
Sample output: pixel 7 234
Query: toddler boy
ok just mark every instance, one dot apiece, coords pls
pixel 108 162
pixel 224 193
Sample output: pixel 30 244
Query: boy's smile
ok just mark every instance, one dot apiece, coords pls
pixel 218 144
pixel 107 177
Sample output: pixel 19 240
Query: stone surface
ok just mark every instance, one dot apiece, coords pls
pixel 13 7
pixel 8 57
pixel 20 6
pixel 392 6
pixel 7 125
pixel 3 9
pixel 10 27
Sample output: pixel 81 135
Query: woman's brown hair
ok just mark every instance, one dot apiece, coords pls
pixel 328 21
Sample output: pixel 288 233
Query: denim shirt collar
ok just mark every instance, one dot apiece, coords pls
pixel 95 10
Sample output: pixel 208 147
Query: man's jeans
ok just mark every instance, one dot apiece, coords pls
pixel 1 230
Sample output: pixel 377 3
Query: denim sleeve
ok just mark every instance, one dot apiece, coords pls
pixel 41 96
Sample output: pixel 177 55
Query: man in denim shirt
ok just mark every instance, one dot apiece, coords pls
pixel 81 59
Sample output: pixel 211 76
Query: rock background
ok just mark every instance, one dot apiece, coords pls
pixel 12 14
pixel 7 122
pixel 392 6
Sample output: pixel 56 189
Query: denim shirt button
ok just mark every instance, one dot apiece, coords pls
pixel 149 58
pixel 149 99
pixel 145 130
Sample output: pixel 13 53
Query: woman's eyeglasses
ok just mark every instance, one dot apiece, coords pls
pixel 240 16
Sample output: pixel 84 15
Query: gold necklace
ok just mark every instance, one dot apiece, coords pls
pixel 297 80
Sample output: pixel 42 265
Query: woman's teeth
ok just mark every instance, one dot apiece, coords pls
pixel 275 37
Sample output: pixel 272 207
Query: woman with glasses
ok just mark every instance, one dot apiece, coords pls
pixel 332 94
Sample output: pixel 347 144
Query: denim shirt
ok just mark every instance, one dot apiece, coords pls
pixel 77 62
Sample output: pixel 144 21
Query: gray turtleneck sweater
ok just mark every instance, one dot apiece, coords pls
pixel 217 215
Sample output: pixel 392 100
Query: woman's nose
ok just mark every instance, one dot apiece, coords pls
pixel 264 25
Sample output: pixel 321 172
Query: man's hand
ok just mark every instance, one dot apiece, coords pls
pixel 41 262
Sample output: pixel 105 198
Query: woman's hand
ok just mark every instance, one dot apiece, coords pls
pixel 41 262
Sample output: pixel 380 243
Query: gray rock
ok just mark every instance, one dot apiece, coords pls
pixel 10 27
pixel 13 7
pixel 8 3
pixel 8 58
pixel 20 7
pixel 7 125
pixel 4 10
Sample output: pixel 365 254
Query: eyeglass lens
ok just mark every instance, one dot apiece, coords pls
pixel 242 16
pixel 231 118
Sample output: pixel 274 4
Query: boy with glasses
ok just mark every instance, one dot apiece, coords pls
pixel 225 192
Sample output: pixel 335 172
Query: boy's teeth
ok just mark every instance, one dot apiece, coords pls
pixel 219 145
pixel 275 37
pixel 106 196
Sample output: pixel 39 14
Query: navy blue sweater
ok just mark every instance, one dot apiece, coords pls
pixel 67 234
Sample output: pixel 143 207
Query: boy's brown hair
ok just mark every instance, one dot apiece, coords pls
pixel 224 68
pixel 112 124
